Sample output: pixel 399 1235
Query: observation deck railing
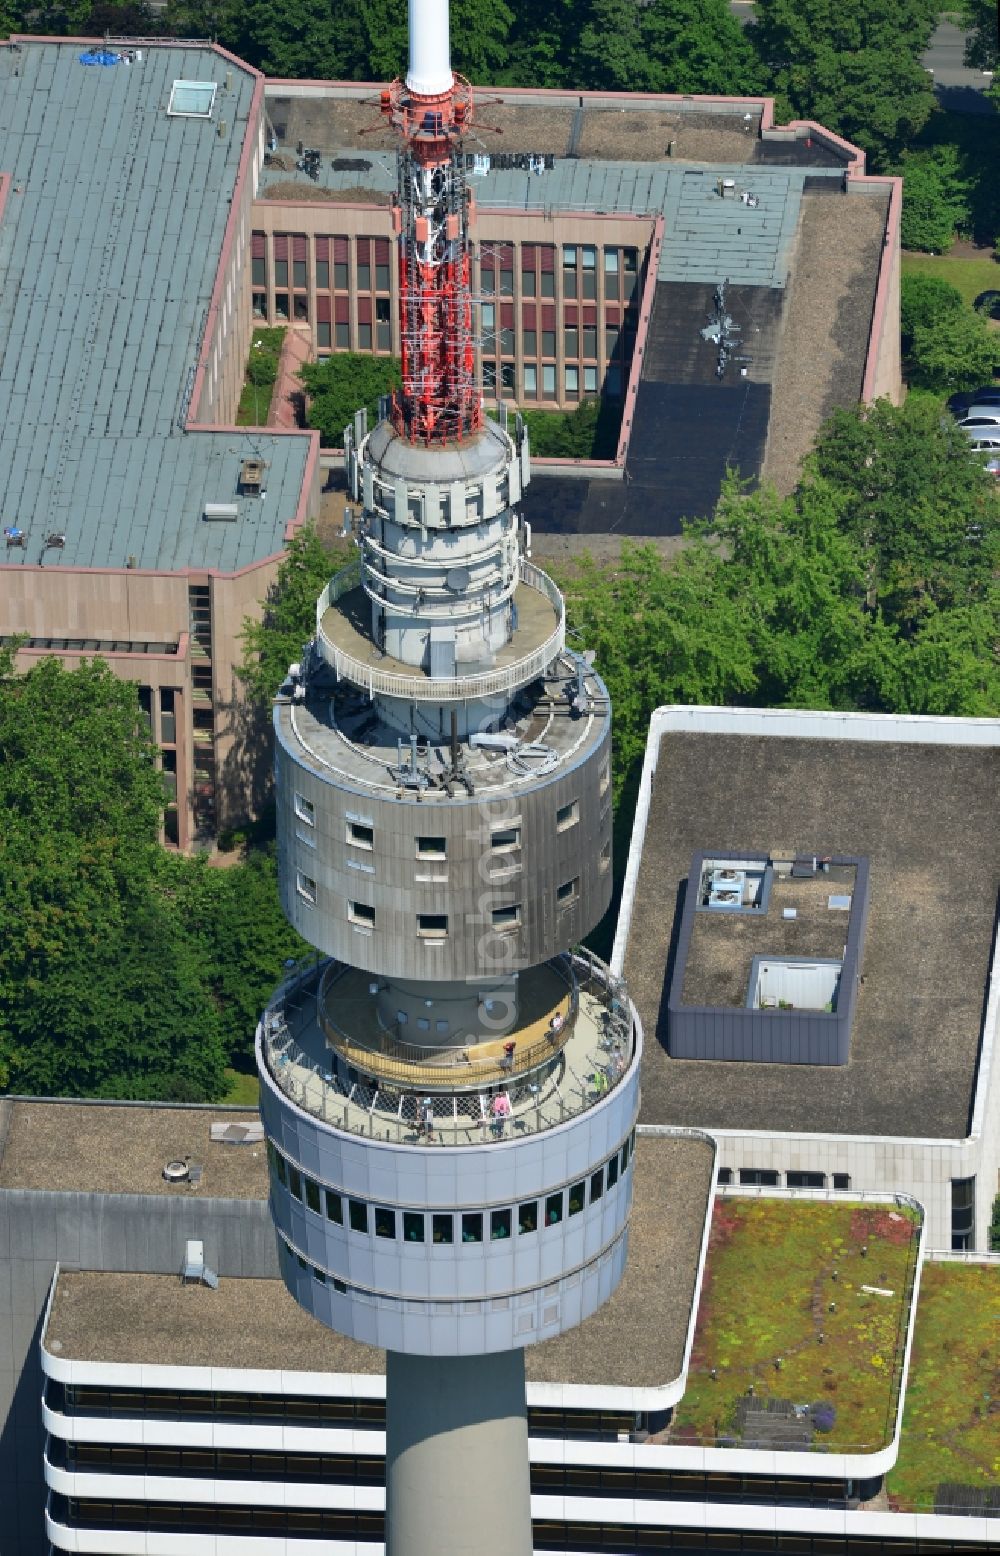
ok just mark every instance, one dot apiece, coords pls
pixel 415 685
pixel 432 1067
pixel 590 1067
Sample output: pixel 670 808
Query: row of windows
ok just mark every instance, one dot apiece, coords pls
pixel 220 1463
pixel 369 1470
pixel 502 342
pixel 434 926
pixel 361 834
pixel 297 1410
pixel 548 1535
pixel 552 1536
pixel 447 1227
pixel 299 1522
pixel 579 267
pixel 251 1409
pixel 768 1178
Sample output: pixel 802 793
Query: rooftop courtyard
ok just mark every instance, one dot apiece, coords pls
pixel 949 1458
pixel 801 1327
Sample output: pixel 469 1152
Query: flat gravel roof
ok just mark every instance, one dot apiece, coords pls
pixel 110 242
pixel 925 815
pixel 101 1148
pixel 636 1340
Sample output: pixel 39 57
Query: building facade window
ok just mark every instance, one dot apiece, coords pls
pixel 963 1212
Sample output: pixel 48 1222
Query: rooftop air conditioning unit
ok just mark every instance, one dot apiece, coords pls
pixel 227 511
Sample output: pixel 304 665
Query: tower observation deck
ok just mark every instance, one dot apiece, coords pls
pixel 449 1088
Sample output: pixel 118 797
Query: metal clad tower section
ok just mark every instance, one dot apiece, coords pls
pixel 450 1086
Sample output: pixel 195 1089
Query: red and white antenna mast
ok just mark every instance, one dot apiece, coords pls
pixel 431 109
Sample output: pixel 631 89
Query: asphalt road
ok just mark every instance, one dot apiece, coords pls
pixel 957 88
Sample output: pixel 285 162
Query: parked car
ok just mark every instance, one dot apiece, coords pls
pixel 961 404
pixel 981 426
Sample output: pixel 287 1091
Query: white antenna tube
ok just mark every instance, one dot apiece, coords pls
pixel 429 74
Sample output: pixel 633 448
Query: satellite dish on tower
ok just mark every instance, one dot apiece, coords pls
pixel 457 579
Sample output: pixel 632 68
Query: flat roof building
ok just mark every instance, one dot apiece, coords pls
pixel 915 1105
pixel 129 527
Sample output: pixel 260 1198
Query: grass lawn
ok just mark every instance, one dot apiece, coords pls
pixel 951 1423
pixel 774 1269
pixel 968 276
pixel 244 1089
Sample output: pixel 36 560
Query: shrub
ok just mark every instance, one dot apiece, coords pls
pixel 935 198
pixel 924 300
pixel 342 385
pixel 956 352
pixel 824 1415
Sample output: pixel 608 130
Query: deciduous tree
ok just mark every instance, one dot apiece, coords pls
pixel 852 66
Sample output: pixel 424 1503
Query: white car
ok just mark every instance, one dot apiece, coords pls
pixel 987 427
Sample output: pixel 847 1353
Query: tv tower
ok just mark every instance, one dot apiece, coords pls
pixel 449 1088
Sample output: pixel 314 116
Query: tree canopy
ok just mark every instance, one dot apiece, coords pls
pixel 936 199
pixel 873 586
pixel 274 640
pixel 124 971
pixel 853 66
pixel 341 384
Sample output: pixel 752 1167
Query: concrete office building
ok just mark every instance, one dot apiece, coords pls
pixel 139 522
pixel 450 1075
pixel 142 231
pixel 151 1413
pixel 789 797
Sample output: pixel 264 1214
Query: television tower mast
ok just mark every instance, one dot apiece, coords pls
pixel 449 1089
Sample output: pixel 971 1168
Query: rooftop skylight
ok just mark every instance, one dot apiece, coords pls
pixel 192 99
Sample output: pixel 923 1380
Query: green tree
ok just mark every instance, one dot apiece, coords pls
pixel 275 640
pixel 237 936
pixel 699 46
pixel 982 44
pixel 341 385
pixel 935 198
pixel 300 39
pixel 959 351
pixel 541 44
pixel 97 994
pixel 925 300
pixel 924 515
pixel 850 65
pixel 665 46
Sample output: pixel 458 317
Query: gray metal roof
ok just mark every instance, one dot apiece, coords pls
pixel 705 238
pixel 109 247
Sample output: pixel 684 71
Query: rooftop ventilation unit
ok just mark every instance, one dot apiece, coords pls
pixel 176 1172
pixel 226 511
pixel 194 1270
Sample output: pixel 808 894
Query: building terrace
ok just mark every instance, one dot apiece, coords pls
pixel 802 1326
pixel 636 1341
pixel 924 815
